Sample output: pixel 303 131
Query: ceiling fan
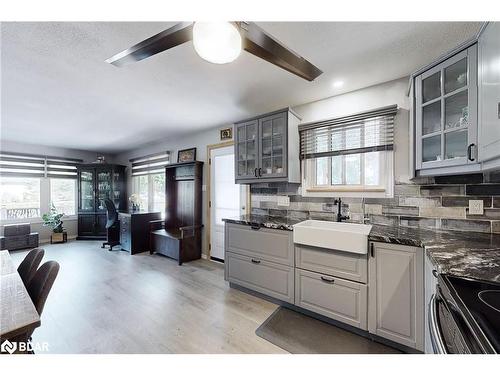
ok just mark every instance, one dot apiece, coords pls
pixel 220 43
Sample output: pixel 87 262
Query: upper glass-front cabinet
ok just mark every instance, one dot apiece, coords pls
pixel 446 113
pixel 246 149
pixel 262 152
pixel 272 146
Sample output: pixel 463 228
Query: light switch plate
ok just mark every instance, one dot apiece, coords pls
pixel 476 207
pixel 283 201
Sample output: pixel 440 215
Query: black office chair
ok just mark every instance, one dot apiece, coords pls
pixel 112 225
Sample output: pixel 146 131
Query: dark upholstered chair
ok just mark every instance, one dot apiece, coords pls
pixel 40 285
pixel 112 225
pixel 38 289
pixel 29 265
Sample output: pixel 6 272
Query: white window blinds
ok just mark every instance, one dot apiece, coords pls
pixel 150 164
pixel 25 165
pixel 363 132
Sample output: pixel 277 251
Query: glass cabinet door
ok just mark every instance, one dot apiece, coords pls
pixel 104 188
pixel 446 106
pixel 246 150
pixel 87 198
pixel 273 140
pixel 117 188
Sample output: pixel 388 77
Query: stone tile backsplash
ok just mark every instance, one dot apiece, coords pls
pixel 440 202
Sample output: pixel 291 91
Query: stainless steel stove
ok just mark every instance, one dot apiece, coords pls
pixel 465 316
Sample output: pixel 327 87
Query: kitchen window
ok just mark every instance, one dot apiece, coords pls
pixel 349 156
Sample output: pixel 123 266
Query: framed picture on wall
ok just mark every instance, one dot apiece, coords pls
pixel 187 155
pixel 226 134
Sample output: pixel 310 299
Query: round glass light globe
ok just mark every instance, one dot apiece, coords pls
pixel 216 42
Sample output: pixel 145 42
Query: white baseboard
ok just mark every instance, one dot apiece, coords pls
pixel 204 256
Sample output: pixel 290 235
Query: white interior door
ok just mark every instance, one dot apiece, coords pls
pixel 227 198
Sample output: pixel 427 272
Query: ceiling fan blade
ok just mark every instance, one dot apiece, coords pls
pixel 259 43
pixel 172 37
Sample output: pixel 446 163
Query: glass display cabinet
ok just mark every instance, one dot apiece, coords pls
pixel 446 115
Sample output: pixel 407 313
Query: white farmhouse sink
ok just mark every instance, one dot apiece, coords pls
pixel 348 237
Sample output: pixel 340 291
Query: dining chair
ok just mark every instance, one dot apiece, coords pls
pixel 41 284
pixel 38 290
pixel 29 265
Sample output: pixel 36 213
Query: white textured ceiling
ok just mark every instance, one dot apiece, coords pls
pixel 58 91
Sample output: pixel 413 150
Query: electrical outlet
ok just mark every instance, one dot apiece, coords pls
pixel 476 207
pixel 283 201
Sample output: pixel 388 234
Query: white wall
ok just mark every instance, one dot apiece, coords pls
pixel 70 223
pixel 388 93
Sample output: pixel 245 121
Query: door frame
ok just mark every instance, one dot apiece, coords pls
pixel 209 195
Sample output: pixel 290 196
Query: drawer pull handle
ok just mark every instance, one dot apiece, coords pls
pixel 255 261
pixel 327 280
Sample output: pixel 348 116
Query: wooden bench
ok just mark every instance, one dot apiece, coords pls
pixel 182 244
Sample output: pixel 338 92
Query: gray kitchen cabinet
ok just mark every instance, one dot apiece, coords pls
pixel 266 148
pixel 261 243
pixel 342 300
pixel 348 266
pixel 396 293
pixel 272 279
pixel 489 95
pixel 446 120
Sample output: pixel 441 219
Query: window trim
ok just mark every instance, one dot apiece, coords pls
pixel 310 189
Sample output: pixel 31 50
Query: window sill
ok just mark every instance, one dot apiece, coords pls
pixel 35 220
pixel 346 189
pixel 346 192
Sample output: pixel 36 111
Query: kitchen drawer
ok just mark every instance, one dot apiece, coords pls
pixel 273 245
pixel 274 280
pixel 342 300
pixel 332 262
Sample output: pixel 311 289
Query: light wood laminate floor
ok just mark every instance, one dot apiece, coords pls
pixel 112 302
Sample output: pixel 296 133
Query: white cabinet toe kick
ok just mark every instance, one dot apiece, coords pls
pixel 380 293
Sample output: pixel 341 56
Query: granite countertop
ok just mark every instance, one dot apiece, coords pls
pixel 466 254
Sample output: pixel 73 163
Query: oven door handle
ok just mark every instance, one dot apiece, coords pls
pixel 435 332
